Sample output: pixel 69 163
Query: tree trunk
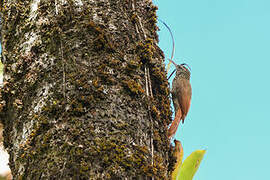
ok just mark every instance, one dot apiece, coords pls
pixel 85 92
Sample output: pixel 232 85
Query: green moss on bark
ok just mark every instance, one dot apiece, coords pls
pixel 75 100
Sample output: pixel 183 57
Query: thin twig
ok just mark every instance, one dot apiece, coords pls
pixel 64 69
pixel 147 81
pixel 62 56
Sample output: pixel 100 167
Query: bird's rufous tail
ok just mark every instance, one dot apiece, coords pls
pixel 177 119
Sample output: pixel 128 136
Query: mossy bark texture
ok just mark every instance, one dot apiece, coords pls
pixel 85 92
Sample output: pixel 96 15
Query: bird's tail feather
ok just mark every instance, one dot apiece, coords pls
pixel 177 119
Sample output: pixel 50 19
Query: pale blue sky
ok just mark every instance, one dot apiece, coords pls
pixel 226 44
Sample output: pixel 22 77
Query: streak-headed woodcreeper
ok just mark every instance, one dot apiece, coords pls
pixel 181 96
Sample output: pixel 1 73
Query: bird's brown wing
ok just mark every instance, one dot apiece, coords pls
pixel 175 97
pixel 181 95
pixel 184 98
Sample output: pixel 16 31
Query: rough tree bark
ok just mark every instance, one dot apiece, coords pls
pixel 85 92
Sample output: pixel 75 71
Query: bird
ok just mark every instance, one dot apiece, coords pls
pixel 181 96
pixel 178 155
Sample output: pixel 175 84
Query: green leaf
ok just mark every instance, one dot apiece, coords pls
pixel 191 165
pixel 178 154
pixel 1 68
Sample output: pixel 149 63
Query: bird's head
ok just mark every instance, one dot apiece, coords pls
pixel 182 70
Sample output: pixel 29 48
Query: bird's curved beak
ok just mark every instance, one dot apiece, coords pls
pixel 171 74
pixel 173 62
